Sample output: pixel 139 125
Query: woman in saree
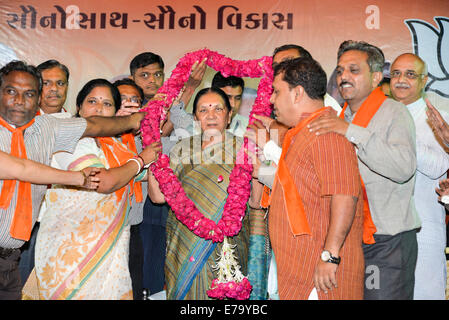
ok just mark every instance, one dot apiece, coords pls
pixel 203 165
pixel 83 241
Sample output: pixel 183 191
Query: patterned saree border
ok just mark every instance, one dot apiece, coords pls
pixel 96 255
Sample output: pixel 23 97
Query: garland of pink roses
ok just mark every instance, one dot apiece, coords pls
pixel 239 182
pixel 239 186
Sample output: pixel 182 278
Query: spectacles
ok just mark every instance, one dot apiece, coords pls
pixel 412 75
pixel 131 99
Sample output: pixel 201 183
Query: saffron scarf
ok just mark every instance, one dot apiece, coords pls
pixel 117 157
pixel 362 118
pixel 22 222
pixel 293 203
pixel 128 140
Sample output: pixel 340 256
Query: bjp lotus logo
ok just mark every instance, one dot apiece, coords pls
pixel 432 45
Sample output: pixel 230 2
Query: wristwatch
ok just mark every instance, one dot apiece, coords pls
pixel 326 256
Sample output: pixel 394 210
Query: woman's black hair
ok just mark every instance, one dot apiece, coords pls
pixel 94 83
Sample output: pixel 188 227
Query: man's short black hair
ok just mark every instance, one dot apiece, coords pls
pixel 129 82
pixel 221 81
pixel 302 52
pixel 49 64
pixel 144 59
pixel 17 65
pixel 305 72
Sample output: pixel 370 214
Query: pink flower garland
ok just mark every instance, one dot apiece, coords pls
pixel 239 183
pixel 239 186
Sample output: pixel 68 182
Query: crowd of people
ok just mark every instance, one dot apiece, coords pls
pixel 346 199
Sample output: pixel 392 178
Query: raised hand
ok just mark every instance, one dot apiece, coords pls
pixel 443 191
pixel 436 121
pixel 197 74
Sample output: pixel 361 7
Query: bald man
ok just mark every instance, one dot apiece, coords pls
pixel 408 80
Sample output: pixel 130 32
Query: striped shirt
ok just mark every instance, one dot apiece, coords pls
pixel 43 138
pixel 321 166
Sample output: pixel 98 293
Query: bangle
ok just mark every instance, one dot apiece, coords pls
pixel 139 158
pixel 145 166
pixel 138 163
pixel 85 178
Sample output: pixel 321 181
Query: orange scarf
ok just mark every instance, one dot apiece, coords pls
pixel 293 203
pixel 22 221
pixel 362 118
pixel 128 140
pixel 119 153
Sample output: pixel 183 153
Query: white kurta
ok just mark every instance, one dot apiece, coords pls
pixel 432 165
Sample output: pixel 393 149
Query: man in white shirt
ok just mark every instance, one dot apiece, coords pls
pixel 408 80
pixel 55 83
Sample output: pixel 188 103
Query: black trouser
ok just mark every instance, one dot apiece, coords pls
pixel 136 262
pixel 390 267
pixel 10 282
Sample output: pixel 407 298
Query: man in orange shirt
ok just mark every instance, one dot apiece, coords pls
pixel 316 207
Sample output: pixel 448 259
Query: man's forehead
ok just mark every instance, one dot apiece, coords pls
pixel 407 62
pixel 151 67
pixel 20 78
pixel 277 81
pixel 53 73
pixel 128 89
pixel 234 91
pixel 353 57
pixel 286 54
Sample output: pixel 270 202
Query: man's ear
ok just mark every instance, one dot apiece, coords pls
pixel 377 78
pixel 298 92
pixel 424 81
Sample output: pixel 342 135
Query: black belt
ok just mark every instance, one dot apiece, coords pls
pixel 6 252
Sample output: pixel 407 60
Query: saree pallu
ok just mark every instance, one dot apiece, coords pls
pixel 190 259
pixel 83 241
pixel 82 247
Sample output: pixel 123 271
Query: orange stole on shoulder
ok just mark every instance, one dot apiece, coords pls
pixel 119 153
pixel 22 222
pixel 362 118
pixel 293 203
pixel 128 140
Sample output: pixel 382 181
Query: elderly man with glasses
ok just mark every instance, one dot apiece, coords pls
pixel 408 80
